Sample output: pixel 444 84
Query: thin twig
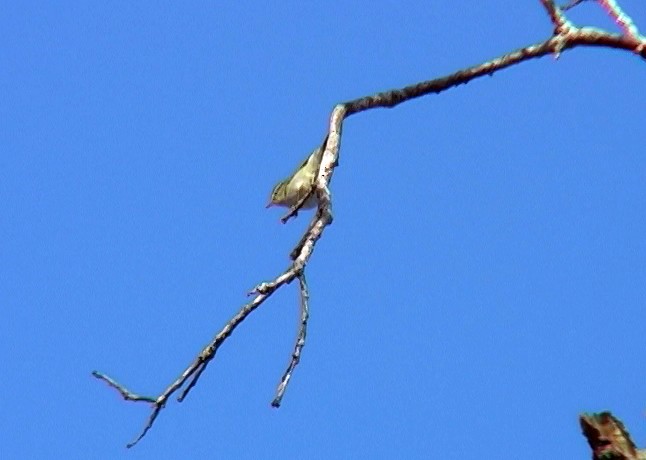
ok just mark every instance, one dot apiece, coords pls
pixel 149 424
pixel 624 21
pixel 194 380
pixel 125 393
pixel 300 342
pixel 556 16
pixel 572 4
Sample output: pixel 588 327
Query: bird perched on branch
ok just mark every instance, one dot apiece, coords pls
pixel 289 191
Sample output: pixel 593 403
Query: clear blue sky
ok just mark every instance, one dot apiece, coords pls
pixel 483 283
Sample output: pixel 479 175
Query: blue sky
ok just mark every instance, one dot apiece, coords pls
pixel 483 283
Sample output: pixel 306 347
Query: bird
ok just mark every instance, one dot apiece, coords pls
pixel 289 191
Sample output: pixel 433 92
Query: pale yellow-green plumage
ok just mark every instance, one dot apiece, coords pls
pixel 289 191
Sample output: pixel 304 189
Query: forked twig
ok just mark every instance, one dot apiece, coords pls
pixel 195 369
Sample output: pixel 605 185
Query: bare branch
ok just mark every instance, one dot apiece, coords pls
pixel 125 393
pixel 149 424
pixel 567 36
pixel 556 16
pixel 298 346
pixel 130 396
pixel 572 4
pixel 195 369
pixel 575 37
pixel 624 21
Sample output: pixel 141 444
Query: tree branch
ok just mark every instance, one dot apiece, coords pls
pixel 263 291
pixel 566 36
pixel 624 21
pixel 573 38
pixel 556 16
pixel 300 342
pixel 572 4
